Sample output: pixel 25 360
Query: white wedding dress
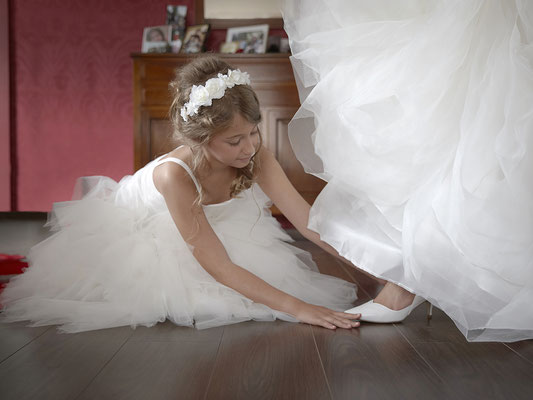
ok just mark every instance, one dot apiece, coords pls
pixel 419 115
pixel 117 259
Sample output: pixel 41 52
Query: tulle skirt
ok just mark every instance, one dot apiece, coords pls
pixel 419 115
pixel 110 265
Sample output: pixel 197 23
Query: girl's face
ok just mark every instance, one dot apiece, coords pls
pixel 235 146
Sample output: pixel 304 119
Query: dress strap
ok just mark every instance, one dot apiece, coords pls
pixel 184 166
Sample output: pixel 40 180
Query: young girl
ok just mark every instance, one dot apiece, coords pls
pixel 189 237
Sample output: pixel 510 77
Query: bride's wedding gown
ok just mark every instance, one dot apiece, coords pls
pixel 419 115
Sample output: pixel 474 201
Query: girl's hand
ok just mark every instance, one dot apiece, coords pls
pixel 322 316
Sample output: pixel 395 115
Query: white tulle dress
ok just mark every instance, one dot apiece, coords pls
pixel 419 115
pixel 118 259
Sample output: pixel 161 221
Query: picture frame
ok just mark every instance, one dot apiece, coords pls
pixel 156 39
pixel 176 38
pixel 177 18
pixel 252 39
pixel 195 37
pixel 229 47
pixel 177 15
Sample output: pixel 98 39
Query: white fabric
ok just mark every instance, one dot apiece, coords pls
pixel 185 167
pixel 419 114
pixel 118 259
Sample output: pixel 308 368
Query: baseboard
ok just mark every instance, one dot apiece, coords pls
pixel 23 215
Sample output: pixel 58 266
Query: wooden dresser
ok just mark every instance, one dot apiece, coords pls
pixel 273 81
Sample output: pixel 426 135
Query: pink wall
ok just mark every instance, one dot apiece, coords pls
pixel 5 167
pixel 73 91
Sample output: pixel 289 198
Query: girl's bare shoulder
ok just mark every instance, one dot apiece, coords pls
pixel 184 153
pixel 170 176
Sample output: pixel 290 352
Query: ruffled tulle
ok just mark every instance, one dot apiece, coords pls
pixel 419 114
pixel 116 258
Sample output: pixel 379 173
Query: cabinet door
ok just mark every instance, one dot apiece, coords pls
pixel 153 135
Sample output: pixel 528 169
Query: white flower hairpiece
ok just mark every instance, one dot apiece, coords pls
pixel 214 88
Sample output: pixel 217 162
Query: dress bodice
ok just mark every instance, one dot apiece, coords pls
pixel 139 191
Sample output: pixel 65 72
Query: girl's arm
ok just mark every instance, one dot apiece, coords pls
pixel 280 190
pixel 176 186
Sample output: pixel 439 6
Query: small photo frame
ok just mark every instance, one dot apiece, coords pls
pixel 252 39
pixel 156 39
pixel 177 17
pixel 195 39
pixel 176 38
pixel 229 47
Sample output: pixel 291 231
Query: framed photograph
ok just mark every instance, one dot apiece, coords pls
pixel 195 38
pixel 229 47
pixel 156 39
pixel 176 16
pixel 252 39
pixel 176 38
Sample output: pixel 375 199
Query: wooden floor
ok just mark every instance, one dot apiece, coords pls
pixel 265 360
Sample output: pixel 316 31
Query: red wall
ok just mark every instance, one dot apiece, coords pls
pixel 73 91
pixel 5 159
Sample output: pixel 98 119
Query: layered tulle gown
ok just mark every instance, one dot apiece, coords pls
pixel 116 258
pixel 419 115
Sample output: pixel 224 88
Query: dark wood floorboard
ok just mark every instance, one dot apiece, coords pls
pixel 162 362
pixel 483 370
pixel 268 360
pixel 375 362
pixel 15 336
pixel 58 366
pixel 486 370
pixel 524 348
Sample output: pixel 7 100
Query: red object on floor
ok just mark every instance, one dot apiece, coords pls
pixel 12 264
pixel 2 286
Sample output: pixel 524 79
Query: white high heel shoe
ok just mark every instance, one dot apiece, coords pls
pixel 375 312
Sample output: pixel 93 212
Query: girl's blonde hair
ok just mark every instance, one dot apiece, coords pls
pixel 210 120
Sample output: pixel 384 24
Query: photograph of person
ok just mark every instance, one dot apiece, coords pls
pixel 195 38
pixel 176 16
pixel 251 39
pixel 156 39
pixel 176 39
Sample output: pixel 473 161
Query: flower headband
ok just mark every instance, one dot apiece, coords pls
pixel 214 89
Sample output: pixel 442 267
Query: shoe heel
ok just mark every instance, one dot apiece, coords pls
pixel 430 311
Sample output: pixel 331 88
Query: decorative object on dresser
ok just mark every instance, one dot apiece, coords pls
pixel 195 37
pixel 251 39
pixel 272 79
pixel 156 39
pixel 229 47
pixel 176 16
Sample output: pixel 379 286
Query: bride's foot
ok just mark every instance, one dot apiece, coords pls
pixel 393 304
pixel 394 297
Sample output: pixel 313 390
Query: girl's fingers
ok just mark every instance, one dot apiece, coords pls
pixel 340 322
pixel 328 325
pixel 334 321
pixel 345 322
pixel 348 316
